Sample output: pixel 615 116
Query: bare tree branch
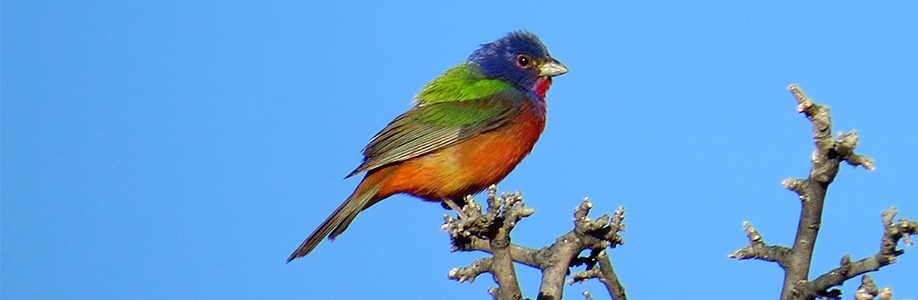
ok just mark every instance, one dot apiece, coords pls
pixel 757 249
pixel 502 264
pixel 825 160
pixel 494 227
pixel 892 233
pixel 596 234
pixel 601 268
pixel 610 279
pixel 489 232
pixel 482 265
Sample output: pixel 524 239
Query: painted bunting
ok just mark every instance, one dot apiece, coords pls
pixel 469 128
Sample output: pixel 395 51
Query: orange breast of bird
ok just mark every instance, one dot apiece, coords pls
pixel 467 167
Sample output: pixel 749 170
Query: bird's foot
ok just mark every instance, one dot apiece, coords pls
pixel 452 204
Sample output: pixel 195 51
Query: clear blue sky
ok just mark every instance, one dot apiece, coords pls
pixel 182 150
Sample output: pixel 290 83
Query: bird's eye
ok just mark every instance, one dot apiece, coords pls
pixel 523 61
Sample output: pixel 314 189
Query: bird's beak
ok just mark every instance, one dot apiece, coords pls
pixel 552 68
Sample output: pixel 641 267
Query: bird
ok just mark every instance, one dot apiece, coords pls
pixel 468 129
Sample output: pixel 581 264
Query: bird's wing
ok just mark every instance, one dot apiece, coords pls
pixel 434 126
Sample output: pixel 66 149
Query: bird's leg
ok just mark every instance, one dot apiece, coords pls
pixel 452 204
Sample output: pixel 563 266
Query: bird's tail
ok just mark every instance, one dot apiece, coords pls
pixel 338 221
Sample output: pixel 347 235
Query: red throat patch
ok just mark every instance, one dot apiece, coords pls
pixel 541 86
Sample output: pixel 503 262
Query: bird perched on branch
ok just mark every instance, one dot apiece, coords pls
pixel 471 126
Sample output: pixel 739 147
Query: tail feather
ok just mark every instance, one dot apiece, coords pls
pixel 337 222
